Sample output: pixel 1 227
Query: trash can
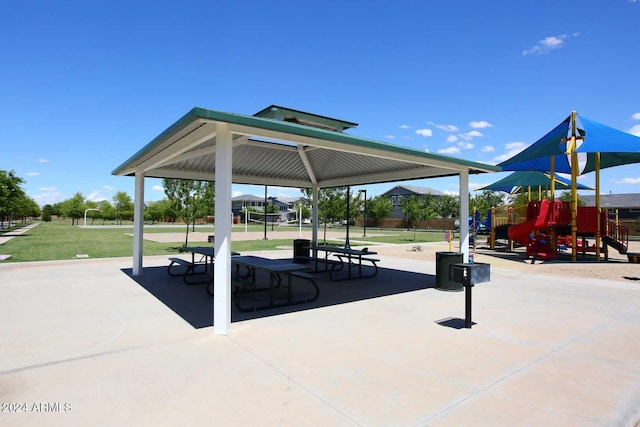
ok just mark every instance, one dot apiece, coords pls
pixel 443 261
pixel 301 251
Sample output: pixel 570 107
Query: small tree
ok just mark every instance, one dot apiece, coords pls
pixel 190 199
pixel 566 197
pixel 379 208
pixel 123 205
pixel 74 208
pixel 46 213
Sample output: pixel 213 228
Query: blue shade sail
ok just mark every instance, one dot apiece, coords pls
pixel 534 179
pixel 616 148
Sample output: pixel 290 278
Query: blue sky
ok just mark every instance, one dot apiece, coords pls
pixel 86 84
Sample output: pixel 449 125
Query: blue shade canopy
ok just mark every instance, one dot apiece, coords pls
pixel 537 156
pixel 513 182
pixel 616 147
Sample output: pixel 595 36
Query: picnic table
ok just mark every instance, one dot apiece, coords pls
pixel 202 265
pixel 352 258
pixel 247 283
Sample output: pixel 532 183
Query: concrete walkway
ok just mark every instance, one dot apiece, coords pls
pixel 5 237
pixel 83 343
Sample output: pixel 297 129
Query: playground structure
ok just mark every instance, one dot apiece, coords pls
pixel 545 229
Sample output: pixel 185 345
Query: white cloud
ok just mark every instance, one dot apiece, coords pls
pixel 43 160
pixel 451 193
pixel 548 44
pixel 470 135
pixel 450 150
pixel 108 188
pixel 627 181
pixel 49 196
pixel 32 174
pixel 95 196
pixel 233 193
pixel 158 188
pixel 635 130
pixel 482 124
pixel 405 127
pixel 425 132
pixel 636 116
pixel 426 150
pixel 446 128
pixel 390 136
pixel 452 138
pixel 488 149
pixel 465 145
pixel 513 148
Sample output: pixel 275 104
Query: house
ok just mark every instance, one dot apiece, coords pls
pixel 399 191
pixel 286 205
pixel 628 205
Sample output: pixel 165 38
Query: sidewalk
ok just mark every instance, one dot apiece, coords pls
pixel 5 237
pixel 92 345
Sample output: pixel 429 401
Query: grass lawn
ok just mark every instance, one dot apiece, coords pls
pixel 59 240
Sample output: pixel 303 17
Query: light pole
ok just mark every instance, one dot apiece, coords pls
pixel 364 233
pixel 85 215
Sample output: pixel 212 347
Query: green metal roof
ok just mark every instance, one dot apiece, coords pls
pixel 276 152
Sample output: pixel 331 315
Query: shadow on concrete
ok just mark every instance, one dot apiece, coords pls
pixel 195 306
pixel 453 322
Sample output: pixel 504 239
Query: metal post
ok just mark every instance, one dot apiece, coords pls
pixel 346 242
pixel 264 211
pixel 85 215
pixel 467 306
pixel 364 232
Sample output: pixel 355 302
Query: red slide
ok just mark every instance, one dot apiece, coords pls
pixel 520 233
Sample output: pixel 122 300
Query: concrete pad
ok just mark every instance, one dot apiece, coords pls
pixel 92 345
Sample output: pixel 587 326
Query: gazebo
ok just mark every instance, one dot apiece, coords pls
pixel 282 147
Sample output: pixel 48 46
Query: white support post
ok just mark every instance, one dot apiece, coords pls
pixel 138 224
pixel 223 223
pixel 464 215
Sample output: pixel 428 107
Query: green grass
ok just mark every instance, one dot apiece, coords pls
pixel 59 240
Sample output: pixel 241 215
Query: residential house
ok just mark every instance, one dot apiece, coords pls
pixel 397 193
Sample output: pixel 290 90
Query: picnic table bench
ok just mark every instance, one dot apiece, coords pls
pixel 267 294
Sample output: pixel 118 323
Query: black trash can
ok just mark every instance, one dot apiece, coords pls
pixel 443 261
pixel 301 251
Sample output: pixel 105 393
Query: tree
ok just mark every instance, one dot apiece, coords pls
pixel 74 207
pixel 379 208
pixel 446 206
pixel 107 211
pixel 332 203
pixel 566 197
pixel 155 211
pixel 123 205
pixel 417 207
pixel 11 193
pixel 190 199
pixel 46 213
pixel 485 201
pixel 26 208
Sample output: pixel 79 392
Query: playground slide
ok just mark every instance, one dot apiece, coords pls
pixel 520 233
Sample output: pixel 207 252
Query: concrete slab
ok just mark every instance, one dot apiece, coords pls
pixel 83 343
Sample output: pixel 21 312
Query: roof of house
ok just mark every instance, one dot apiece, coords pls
pixel 416 190
pixel 630 200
